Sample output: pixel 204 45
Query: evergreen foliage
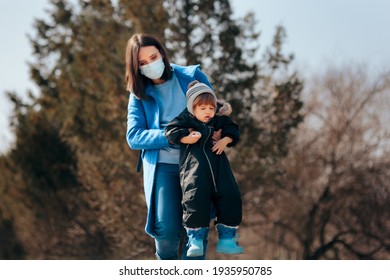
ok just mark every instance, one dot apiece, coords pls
pixel 69 189
pixel 71 152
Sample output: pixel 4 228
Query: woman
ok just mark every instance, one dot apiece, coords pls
pixel 157 95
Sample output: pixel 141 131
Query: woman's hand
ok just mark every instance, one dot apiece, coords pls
pixel 216 136
pixel 220 145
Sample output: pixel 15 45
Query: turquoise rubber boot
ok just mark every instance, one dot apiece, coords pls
pixel 195 241
pixel 227 242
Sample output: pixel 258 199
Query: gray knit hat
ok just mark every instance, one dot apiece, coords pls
pixel 194 90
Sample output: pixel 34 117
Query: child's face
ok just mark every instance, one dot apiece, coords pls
pixel 204 112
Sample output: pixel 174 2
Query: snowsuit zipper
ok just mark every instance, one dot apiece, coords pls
pixel 208 160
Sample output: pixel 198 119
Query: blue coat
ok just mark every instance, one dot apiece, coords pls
pixel 144 131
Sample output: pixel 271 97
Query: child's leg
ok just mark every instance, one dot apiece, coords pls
pixel 228 240
pixel 186 246
pixel 196 238
pixel 196 217
pixel 196 207
pixel 228 204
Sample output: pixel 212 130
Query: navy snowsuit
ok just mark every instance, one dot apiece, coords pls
pixel 205 177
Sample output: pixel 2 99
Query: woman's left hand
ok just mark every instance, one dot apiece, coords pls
pixel 220 145
pixel 217 136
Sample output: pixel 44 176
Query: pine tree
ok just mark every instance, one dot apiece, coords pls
pixel 204 32
pixel 74 173
pixel 78 171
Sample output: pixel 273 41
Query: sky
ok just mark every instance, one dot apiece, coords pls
pixel 319 33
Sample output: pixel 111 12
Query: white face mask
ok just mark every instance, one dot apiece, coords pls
pixel 153 70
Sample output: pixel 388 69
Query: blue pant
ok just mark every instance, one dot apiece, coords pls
pixel 167 197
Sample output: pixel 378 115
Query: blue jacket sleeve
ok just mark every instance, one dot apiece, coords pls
pixel 201 77
pixel 138 135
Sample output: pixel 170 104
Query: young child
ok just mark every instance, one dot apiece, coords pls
pixel 205 174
